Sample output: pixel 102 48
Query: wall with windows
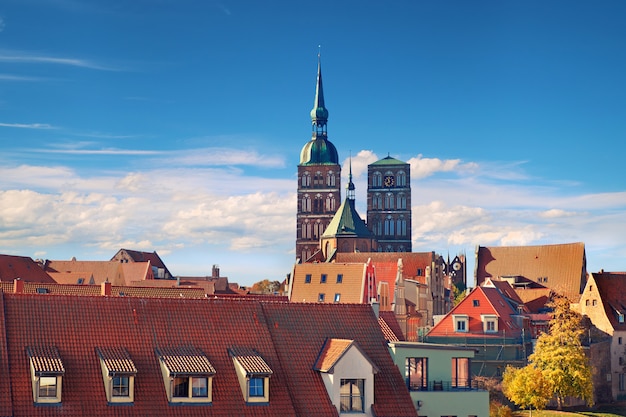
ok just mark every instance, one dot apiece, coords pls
pixel 438 378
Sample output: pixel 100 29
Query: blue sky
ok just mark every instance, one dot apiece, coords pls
pixel 176 125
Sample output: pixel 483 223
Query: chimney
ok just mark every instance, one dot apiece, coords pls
pixel 215 272
pixel 18 286
pixel 105 288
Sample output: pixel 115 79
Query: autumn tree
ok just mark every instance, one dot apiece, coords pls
pixel 526 387
pixel 266 287
pixel 459 292
pixel 559 358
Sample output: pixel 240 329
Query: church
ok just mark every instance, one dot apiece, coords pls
pixel 325 224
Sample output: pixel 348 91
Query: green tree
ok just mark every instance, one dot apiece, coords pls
pixel 526 387
pixel 459 293
pixel 561 360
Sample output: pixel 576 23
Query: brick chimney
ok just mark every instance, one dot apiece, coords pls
pixel 105 288
pixel 18 286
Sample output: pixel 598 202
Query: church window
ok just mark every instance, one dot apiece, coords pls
pixel 318 204
pixel 305 180
pixel 377 227
pixel 318 229
pixel 377 202
pixel 377 179
pixel 306 230
pixel 401 227
pixel 306 203
pixel 330 179
pixel 389 248
pixel 401 201
pixel 318 180
pixel 401 179
pixel 389 201
pixel 330 203
pixel 389 229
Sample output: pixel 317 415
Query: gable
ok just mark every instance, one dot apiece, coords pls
pixel 350 288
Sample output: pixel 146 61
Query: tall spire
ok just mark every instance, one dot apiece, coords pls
pixel 319 114
pixel 350 189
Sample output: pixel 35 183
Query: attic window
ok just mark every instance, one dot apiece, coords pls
pixel 46 372
pixel 320 297
pixel 118 373
pixel 80 281
pixel 337 297
pixel 476 303
pixel 253 374
pixel 620 318
pixel 490 323
pixel 461 323
pixel 41 290
pixel 187 375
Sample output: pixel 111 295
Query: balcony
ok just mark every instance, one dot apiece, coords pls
pixel 438 385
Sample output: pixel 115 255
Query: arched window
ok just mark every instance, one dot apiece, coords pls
pixel 377 226
pixel 389 248
pixel 305 181
pixel 377 202
pixel 318 229
pixel 306 230
pixel 389 229
pixel 318 180
pixel 401 179
pixel 330 179
pixel 330 203
pixel 306 203
pixel 377 179
pixel 389 201
pixel 401 201
pixel 401 227
pixel 318 204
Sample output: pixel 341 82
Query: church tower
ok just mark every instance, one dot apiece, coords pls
pixel 389 204
pixel 319 180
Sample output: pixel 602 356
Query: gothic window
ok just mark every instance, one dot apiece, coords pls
pixel 318 180
pixel 318 204
pixel 377 179
pixel 401 179
pixel 330 203
pixel 306 230
pixel 401 201
pixel 389 229
pixel 306 203
pixel 389 248
pixel 330 179
pixel 401 227
pixel 377 227
pixel 389 201
pixel 377 202
pixel 305 181
pixel 318 229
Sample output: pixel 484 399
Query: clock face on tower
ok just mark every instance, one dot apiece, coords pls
pixel 388 181
pixel 456 266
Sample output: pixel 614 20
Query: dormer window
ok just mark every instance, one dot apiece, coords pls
pixel 46 372
pixel 461 322
pixel 187 375
pixel 118 373
pixel 253 374
pixel 490 323
pixel 348 375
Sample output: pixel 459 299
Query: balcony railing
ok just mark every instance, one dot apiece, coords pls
pixel 459 385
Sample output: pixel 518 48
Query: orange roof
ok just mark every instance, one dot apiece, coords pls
pixel 23 267
pixel 69 272
pixel 332 351
pixel 93 290
pixel 117 360
pixel 412 261
pixel 561 267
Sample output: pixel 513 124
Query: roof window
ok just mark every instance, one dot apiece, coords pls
pixel 118 374
pixel 46 372
pixel 187 375
pixel 253 374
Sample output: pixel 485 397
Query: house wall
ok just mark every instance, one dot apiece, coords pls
pixel 451 402
pixel 353 365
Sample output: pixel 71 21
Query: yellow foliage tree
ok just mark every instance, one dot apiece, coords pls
pixel 526 387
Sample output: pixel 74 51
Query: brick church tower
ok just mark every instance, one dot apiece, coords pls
pixel 319 180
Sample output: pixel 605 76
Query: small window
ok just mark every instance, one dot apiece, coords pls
pixel 307 279
pixel 48 386
pixel 323 278
pixel 476 303
pixel 594 302
pixel 591 288
pixel 320 297
pixel 80 281
pixel 339 278
pixel 352 395
pixel 419 272
pixel 121 386
pixel 587 302
pixel 619 340
pixel 490 326
pixel 337 297
pixel 190 387
pixel 460 326
pixel 255 387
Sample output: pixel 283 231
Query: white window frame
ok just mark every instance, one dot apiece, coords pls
pixel 461 318
pixel 489 318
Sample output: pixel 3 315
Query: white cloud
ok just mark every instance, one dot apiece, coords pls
pixel 28 125
pixel 19 57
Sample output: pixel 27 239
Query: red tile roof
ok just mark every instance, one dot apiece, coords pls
pixel 45 360
pixel 332 351
pixel 412 261
pixel 250 360
pixel 612 290
pixel 287 336
pixel 117 360
pixel 185 360
pixel 562 267
pixel 23 267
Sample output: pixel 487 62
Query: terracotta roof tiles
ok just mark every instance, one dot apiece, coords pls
pixel 250 360
pixel 332 351
pixel 117 360
pixel 45 360
pixel 185 360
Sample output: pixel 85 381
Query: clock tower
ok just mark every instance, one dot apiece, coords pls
pixel 389 204
pixel 319 180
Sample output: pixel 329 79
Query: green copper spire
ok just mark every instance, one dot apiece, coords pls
pixel 319 113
